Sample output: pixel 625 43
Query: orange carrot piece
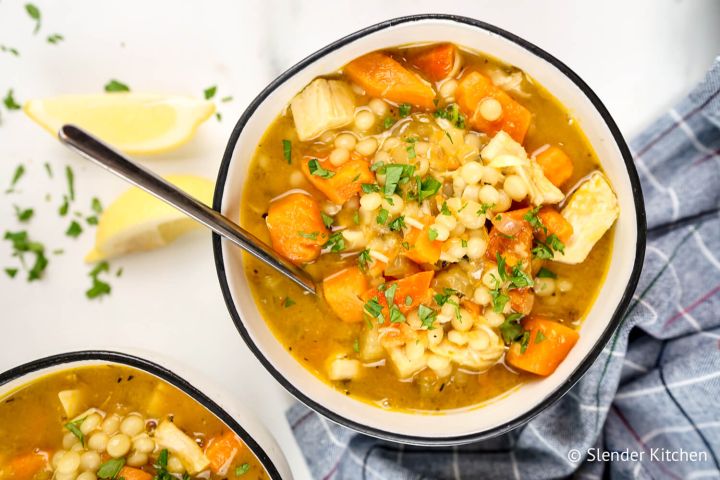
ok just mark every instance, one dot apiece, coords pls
pixel 514 248
pixel 221 451
pixel 382 76
pixel 522 299
pixel 26 465
pixel 297 231
pixel 542 355
pixel 435 62
pixel 417 287
pixel 472 307
pixel 345 181
pixel 130 473
pixel 473 88
pixel 556 165
pixel 555 223
pixel 422 249
pixel 343 292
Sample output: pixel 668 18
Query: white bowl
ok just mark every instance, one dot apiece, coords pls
pixel 245 426
pixel 518 407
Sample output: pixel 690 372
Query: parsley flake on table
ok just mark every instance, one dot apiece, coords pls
pixel 19 172
pixel 10 102
pixel 10 50
pixel 34 13
pixel 22 245
pixel 74 230
pixel 210 92
pixel 116 86
pixel 70 176
pixel 24 214
pixel 98 287
pixel 55 38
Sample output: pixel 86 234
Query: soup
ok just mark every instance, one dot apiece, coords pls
pixel 454 214
pixel 115 422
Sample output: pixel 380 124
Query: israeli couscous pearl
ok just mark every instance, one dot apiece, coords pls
pixel 366 147
pixel 476 247
pixel 544 287
pixel 414 350
pixel 379 107
pixel 472 140
pixel 471 172
pixel 481 295
pixel 441 232
pixel 464 322
pixel 447 221
pixel 90 423
pixel 382 156
pixel 515 187
pixel 458 185
pixel 137 459
pixel 143 444
pixel 297 178
pixel 478 340
pixel 435 336
pixel 491 176
pixel 98 441
pixel 339 156
pixel 394 204
pixel 346 141
pixel 469 217
pixel 364 120
pixel 447 89
pixel 422 167
pixel 65 476
pixel 471 192
pixel 78 447
pixel 491 278
pixel 421 148
pixel 391 143
pixel 86 476
pixel 437 362
pixel 118 445
pixel 69 439
pixel 490 109
pixel 458 338
pixel 57 456
pixel 370 201
pixel 493 319
pixel 488 195
pixel 90 461
pixel 69 463
pixel 111 424
pixel 327 137
pixel 132 425
pixel 504 202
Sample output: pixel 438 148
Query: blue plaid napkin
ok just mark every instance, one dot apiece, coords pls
pixel 652 398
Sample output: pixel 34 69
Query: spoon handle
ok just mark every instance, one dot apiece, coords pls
pixel 93 149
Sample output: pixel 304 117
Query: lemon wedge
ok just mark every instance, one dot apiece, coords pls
pixel 136 123
pixel 137 221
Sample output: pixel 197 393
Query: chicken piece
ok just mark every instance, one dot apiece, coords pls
pixel 591 211
pixel 470 358
pixel 321 106
pixel 505 153
pixel 169 436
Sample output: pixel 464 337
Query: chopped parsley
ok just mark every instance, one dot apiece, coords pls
pixel 226 99
pixel 404 109
pixel 411 151
pixel 64 207
pixel 327 219
pixel 98 287
pixel 19 172
pixel 288 302
pixel 442 298
pixel 110 469
pixel 309 236
pixel 397 224
pixel 116 86
pixel 55 38
pixel 10 102
pixel 532 218
pixel 374 309
pixel 370 187
pixel 10 50
pixel 396 316
pixel 427 187
pixel 408 300
pixel 356 218
pixel 210 92
pixel 21 245
pixel 511 328
pixel 70 175
pixel 382 216
pixel 484 208
pixel 364 259
pixel 427 316
pixel 545 273
pixel 11 272
pixel 432 234
pixel 524 339
pixel 34 13
pixel 452 114
pixel 539 336
pixel 336 242
pixel 74 428
pixel 24 215
pixel 245 467
pixel 396 174
pixel 445 210
pixel 463 242
pixel 318 171
pixel 447 134
pixel 74 230
pixel 499 300
pixel 388 122
pixel 96 205
pixel 545 250
pixel 160 466
pixel 287 150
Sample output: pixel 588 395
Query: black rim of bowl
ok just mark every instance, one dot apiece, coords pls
pixel 153 369
pixel 614 322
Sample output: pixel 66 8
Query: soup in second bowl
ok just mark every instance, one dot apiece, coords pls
pixel 115 422
pixel 454 214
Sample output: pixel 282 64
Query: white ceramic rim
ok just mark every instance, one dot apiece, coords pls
pixel 518 407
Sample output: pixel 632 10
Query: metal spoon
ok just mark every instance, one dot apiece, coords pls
pixel 93 149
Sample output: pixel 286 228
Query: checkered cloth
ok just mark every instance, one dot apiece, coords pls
pixel 656 386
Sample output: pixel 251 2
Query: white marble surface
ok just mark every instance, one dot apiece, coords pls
pixel 639 57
